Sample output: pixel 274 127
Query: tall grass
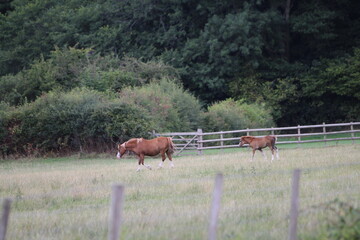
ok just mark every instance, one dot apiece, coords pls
pixel 69 198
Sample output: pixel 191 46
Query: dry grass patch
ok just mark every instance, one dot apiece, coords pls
pixel 69 198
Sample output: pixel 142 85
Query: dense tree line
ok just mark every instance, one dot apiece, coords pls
pixel 299 60
pixel 77 101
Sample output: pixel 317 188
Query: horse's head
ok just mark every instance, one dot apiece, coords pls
pixel 241 143
pixel 121 150
pixel 243 140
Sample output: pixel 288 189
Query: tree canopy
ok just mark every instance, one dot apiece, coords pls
pixel 298 57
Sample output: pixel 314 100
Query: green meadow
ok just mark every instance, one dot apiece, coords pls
pixel 69 198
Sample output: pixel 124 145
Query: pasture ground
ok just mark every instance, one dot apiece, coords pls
pixel 68 198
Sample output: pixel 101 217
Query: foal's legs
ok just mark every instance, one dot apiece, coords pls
pixel 262 153
pixel 253 153
pixel 272 153
pixel 274 148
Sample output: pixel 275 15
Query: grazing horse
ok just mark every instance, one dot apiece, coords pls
pixel 258 143
pixel 142 147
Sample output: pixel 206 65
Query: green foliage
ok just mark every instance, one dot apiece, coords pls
pixel 5 109
pixel 341 221
pixel 230 115
pixel 328 91
pixel 61 71
pixel 298 59
pixel 169 106
pixel 69 68
pixel 81 120
pixel 228 46
pixel 345 223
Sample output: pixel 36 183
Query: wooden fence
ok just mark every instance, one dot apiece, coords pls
pixel 196 142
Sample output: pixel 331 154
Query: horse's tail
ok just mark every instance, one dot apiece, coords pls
pixel 273 141
pixel 171 145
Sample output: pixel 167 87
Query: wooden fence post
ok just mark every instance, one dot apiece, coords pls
pixel 294 205
pixel 324 131
pixel 299 135
pixel 222 141
pixel 117 199
pixel 4 218
pixel 215 207
pixel 200 138
pixel 352 132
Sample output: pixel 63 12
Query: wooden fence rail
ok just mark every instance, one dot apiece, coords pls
pixel 195 142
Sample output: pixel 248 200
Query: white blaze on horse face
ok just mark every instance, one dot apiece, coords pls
pixel 118 155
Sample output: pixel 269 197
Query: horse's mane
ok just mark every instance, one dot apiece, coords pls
pixel 132 142
pixel 248 139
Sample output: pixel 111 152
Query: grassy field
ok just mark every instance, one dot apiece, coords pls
pixel 68 198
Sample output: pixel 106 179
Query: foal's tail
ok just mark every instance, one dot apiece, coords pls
pixel 171 145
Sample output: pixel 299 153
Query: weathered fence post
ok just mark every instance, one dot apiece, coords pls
pixel 352 132
pixel 294 205
pixel 4 218
pixel 199 138
pixel 248 132
pixel 324 131
pixel 299 135
pixel 222 141
pixel 117 199
pixel 215 206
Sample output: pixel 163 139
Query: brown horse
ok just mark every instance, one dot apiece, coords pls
pixel 142 147
pixel 258 143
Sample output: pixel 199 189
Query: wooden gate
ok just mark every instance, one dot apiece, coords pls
pixel 186 143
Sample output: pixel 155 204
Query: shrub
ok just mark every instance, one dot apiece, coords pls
pixel 231 115
pixel 341 220
pixel 344 223
pixel 5 109
pixel 169 106
pixel 81 120
pixel 69 68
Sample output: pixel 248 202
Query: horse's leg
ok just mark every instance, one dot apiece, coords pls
pixel 163 157
pixel 138 169
pixel 262 152
pixel 170 158
pixel 272 153
pixel 142 162
pixel 277 152
pixel 253 153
